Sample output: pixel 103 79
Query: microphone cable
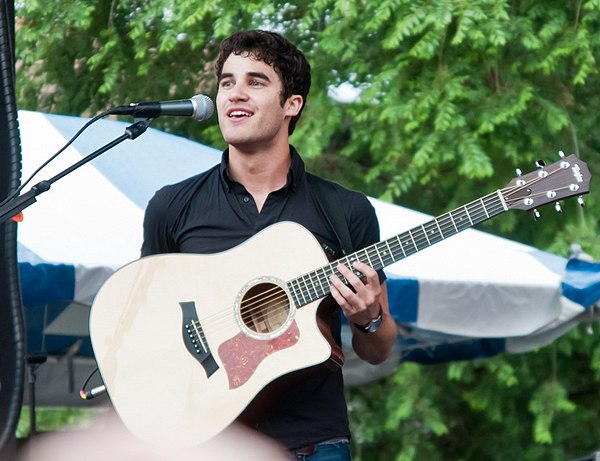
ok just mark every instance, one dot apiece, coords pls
pixel 40 168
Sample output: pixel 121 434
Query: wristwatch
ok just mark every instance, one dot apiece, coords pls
pixel 373 325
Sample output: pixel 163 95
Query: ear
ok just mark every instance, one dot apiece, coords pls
pixel 293 105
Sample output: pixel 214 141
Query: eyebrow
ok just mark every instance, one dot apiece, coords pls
pixel 260 75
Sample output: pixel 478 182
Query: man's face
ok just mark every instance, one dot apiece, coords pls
pixel 249 104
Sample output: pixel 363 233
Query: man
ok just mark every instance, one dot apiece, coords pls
pixel 263 83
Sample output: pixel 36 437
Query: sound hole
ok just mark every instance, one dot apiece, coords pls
pixel 264 308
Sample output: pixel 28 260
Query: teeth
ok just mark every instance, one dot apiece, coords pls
pixel 239 113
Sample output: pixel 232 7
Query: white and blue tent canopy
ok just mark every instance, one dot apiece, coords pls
pixel 473 295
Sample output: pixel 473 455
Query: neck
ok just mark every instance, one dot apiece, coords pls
pixel 260 172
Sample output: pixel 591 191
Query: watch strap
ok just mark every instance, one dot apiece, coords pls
pixel 373 325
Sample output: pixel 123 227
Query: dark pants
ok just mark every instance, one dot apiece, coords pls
pixel 324 451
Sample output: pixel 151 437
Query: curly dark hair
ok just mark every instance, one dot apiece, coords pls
pixel 272 49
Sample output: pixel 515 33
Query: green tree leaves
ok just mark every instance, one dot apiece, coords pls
pixel 452 96
pixel 449 90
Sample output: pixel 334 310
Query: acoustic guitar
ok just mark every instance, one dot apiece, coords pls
pixel 185 342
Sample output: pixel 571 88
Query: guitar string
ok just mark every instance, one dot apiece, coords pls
pixel 277 300
pixel 255 304
pixel 320 291
pixel 370 254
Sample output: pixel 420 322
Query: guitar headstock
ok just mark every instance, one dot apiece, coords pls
pixel 568 177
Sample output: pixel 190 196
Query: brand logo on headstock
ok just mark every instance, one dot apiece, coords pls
pixel 577 173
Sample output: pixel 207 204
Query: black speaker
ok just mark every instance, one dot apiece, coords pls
pixel 12 341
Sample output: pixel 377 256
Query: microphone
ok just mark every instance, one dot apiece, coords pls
pixel 199 107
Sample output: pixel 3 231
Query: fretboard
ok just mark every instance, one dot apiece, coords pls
pixel 315 285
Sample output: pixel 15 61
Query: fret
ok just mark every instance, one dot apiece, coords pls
pixel 419 236
pixel 439 228
pixel 301 292
pixel 369 263
pixel 312 289
pixel 433 232
pixel 425 234
pixel 407 243
pixel 468 214
pixel 447 225
pixel 413 241
pixel 337 273
pixel 453 223
pixel 320 288
pixel 348 260
pixel 381 264
pixel 474 211
pixel 390 253
pixel 460 219
pixel 293 293
pixel 484 208
pixel 306 288
pixel 323 281
pixel 399 238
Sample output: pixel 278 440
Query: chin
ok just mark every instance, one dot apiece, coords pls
pixel 239 141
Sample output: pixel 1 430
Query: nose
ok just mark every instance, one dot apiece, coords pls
pixel 237 93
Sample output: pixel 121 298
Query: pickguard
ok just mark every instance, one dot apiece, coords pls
pixel 241 355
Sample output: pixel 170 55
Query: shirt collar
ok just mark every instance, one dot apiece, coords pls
pixel 295 173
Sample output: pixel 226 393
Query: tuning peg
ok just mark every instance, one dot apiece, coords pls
pixel 536 214
pixel 557 207
pixel 561 154
pixel 580 201
pixel 540 163
pixel 518 171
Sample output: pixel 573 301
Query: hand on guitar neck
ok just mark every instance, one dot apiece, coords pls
pixel 362 299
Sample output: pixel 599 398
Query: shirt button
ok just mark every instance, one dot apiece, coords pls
pixel 246 199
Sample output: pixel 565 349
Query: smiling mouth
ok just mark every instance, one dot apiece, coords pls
pixel 239 114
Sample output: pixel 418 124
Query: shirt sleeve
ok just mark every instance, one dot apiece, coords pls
pixel 157 236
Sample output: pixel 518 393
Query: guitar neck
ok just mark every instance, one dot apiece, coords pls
pixel 565 178
pixel 315 285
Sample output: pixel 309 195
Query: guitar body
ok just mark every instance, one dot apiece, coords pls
pixel 186 343
pixel 181 345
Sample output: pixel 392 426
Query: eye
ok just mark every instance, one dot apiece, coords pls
pixel 256 83
pixel 226 84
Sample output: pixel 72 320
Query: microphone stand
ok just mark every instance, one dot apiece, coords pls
pixel 34 361
pixel 19 203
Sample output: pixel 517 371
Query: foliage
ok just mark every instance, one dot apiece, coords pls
pixel 452 96
pixel 537 406
pixel 52 419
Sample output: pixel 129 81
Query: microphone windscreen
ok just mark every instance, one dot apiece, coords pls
pixel 203 107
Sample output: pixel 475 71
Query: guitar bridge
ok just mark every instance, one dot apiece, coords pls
pixel 194 339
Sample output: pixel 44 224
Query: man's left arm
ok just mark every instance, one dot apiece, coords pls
pixel 364 303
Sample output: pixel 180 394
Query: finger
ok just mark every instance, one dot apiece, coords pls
pixel 345 300
pixel 338 297
pixel 351 277
pixel 352 302
pixel 370 275
pixel 367 287
pixel 341 286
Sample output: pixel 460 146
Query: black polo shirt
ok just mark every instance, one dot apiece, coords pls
pixel 210 213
